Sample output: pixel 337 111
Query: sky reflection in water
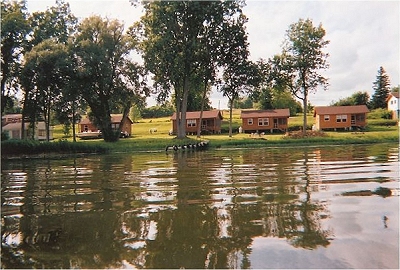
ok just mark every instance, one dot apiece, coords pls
pixel 257 208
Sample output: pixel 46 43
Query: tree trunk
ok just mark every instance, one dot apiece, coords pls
pixel 73 122
pixel 201 110
pixel 305 114
pixel 230 117
pixel 182 123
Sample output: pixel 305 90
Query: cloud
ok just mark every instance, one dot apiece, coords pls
pixel 363 35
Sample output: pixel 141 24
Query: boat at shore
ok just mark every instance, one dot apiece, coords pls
pixel 85 135
pixel 190 146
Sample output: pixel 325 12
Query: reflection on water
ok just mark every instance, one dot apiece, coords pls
pixel 330 207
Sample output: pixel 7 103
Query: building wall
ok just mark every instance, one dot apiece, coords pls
pixel 394 107
pixel 212 125
pixel 126 127
pixel 340 121
pixel 268 124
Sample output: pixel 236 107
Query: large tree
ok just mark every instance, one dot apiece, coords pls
pixel 381 88
pixel 14 28
pixel 45 69
pixel 181 41
pixel 107 76
pixel 239 78
pixel 297 68
pixel 48 29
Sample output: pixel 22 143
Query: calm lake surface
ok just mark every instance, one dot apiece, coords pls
pixel 311 207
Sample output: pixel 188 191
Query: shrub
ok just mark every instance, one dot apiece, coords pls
pixel 5 136
pixel 31 147
pixel 380 114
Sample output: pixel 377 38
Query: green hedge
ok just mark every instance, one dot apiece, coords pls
pixel 32 147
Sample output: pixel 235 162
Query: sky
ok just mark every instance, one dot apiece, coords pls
pixel 363 35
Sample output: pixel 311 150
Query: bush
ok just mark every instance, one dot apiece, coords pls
pixel 380 114
pixel 31 147
pixel 5 136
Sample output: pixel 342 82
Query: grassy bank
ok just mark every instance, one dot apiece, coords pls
pixel 378 131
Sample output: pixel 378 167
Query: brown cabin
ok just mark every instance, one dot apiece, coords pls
pixel 264 120
pixel 341 117
pixel 210 123
pixel 87 126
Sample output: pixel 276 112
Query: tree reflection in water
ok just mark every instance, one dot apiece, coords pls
pixel 183 210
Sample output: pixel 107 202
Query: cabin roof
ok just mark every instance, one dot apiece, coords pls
pixel 265 113
pixel 196 115
pixel 393 94
pixel 12 116
pixel 115 118
pixel 340 109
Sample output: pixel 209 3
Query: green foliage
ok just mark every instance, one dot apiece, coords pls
pixel 243 103
pixel 358 98
pixel 301 59
pixel 14 29
pixel 158 111
pixel 5 136
pixel 380 114
pixel 108 78
pixel 183 42
pixel 32 147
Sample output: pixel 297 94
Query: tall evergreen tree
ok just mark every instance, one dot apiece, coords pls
pixel 381 90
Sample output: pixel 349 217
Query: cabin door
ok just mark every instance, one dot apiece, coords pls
pixel 353 119
pixel 275 123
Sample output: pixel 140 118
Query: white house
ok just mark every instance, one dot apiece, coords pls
pixel 393 104
pixel 12 125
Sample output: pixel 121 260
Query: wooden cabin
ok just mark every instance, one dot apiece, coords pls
pixel 210 123
pixel 340 117
pixel 86 127
pixel 264 120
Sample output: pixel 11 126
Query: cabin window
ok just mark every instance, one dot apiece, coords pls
pixel 282 121
pixel 263 121
pixel 42 132
pixel 326 117
pixel 250 121
pixel 341 118
pixel 115 126
pixel 191 122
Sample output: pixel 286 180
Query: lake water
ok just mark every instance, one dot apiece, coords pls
pixel 311 207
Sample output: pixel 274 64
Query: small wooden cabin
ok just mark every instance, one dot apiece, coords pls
pixel 264 120
pixel 87 126
pixel 210 123
pixel 340 117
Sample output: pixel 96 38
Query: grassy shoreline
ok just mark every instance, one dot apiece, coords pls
pixel 62 149
pixel 378 131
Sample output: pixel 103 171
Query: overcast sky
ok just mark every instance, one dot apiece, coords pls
pixel 363 35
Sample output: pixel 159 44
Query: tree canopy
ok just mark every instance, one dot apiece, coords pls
pixel 302 58
pixel 105 73
pixel 181 43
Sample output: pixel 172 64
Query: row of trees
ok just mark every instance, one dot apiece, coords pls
pixel 62 66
